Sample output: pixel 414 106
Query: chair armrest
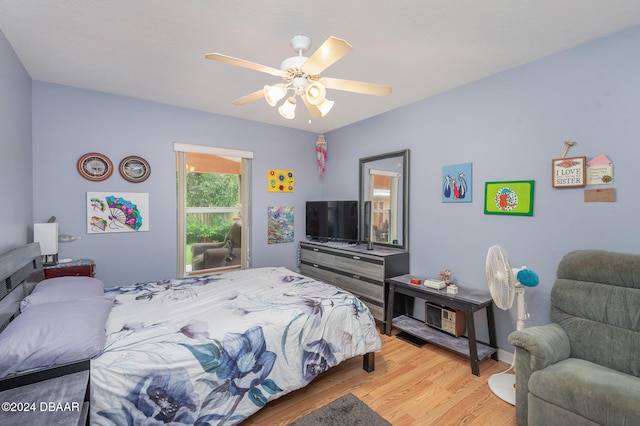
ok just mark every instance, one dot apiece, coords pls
pixel 536 347
pixel 199 248
pixel 546 344
pixel 215 258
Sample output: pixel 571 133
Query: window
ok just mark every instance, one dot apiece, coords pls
pixel 213 208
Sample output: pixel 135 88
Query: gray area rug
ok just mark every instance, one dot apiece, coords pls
pixel 345 411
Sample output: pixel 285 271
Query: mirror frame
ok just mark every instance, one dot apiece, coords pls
pixel 404 155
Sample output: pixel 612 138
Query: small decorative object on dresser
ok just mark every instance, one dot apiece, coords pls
pixel 135 169
pixel 74 268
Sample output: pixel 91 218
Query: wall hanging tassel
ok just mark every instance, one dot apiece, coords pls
pixel 321 154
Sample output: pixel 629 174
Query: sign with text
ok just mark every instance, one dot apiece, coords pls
pixel 569 172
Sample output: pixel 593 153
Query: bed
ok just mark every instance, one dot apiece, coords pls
pixel 208 349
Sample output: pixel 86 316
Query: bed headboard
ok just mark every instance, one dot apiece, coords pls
pixel 20 270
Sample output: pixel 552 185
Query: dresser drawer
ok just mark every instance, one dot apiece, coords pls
pixel 373 291
pixel 359 265
pixel 314 255
pixel 317 273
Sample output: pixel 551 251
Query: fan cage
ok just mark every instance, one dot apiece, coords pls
pixel 500 277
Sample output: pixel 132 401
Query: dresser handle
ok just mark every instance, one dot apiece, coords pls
pixel 356 257
pixel 314 249
pixel 315 266
pixel 357 277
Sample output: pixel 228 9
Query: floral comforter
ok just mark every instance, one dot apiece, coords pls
pixel 214 349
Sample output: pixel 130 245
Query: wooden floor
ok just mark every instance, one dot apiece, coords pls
pixel 410 386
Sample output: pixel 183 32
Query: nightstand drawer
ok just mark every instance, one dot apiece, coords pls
pixel 75 268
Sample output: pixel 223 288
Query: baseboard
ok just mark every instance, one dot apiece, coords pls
pixel 504 356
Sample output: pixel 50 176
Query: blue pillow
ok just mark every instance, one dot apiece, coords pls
pixel 61 289
pixel 54 333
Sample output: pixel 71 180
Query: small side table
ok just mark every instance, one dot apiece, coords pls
pixel 467 300
pixel 75 268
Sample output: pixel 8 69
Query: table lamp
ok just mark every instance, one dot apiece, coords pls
pixel 47 235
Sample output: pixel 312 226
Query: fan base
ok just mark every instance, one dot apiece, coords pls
pixel 504 386
pixel 300 43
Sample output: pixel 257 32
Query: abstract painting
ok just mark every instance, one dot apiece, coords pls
pixel 280 225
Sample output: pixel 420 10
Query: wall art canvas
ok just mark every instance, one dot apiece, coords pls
pixel 109 212
pixel 456 183
pixel 280 180
pixel 280 225
pixel 509 197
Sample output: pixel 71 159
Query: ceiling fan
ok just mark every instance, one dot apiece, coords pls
pixel 302 76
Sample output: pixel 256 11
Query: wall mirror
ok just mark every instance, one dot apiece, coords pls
pixel 384 199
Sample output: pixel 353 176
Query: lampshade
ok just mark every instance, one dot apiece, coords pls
pixel 47 235
pixel 315 93
pixel 324 107
pixel 288 109
pixel 272 94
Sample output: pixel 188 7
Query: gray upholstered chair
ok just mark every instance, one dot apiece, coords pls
pixel 584 367
pixel 217 255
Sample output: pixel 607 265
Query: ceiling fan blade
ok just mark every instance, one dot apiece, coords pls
pixel 249 98
pixel 329 52
pixel 244 64
pixel 356 86
pixel 314 112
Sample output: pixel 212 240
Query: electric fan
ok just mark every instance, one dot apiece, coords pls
pixel 505 284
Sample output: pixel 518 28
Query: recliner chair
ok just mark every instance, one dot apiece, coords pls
pixel 584 367
pixel 217 255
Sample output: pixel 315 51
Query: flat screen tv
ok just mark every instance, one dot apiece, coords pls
pixel 332 220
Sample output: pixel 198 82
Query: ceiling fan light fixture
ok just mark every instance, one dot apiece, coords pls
pixel 325 106
pixel 272 94
pixel 315 93
pixel 302 77
pixel 288 108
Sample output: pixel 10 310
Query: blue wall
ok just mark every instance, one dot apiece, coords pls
pixel 16 185
pixel 510 126
pixel 69 122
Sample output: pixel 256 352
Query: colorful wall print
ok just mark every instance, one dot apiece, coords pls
pixel 456 183
pixel 117 212
pixel 280 225
pixel 280 180
pixel 511 198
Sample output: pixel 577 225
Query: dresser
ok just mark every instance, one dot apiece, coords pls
pixel 355 269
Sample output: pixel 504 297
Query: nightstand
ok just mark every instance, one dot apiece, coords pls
pixel 75 268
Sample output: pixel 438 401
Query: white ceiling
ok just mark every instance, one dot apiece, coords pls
pixel 154 49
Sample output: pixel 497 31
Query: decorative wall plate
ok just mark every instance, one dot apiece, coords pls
pixel 95 166
pixel 135 169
